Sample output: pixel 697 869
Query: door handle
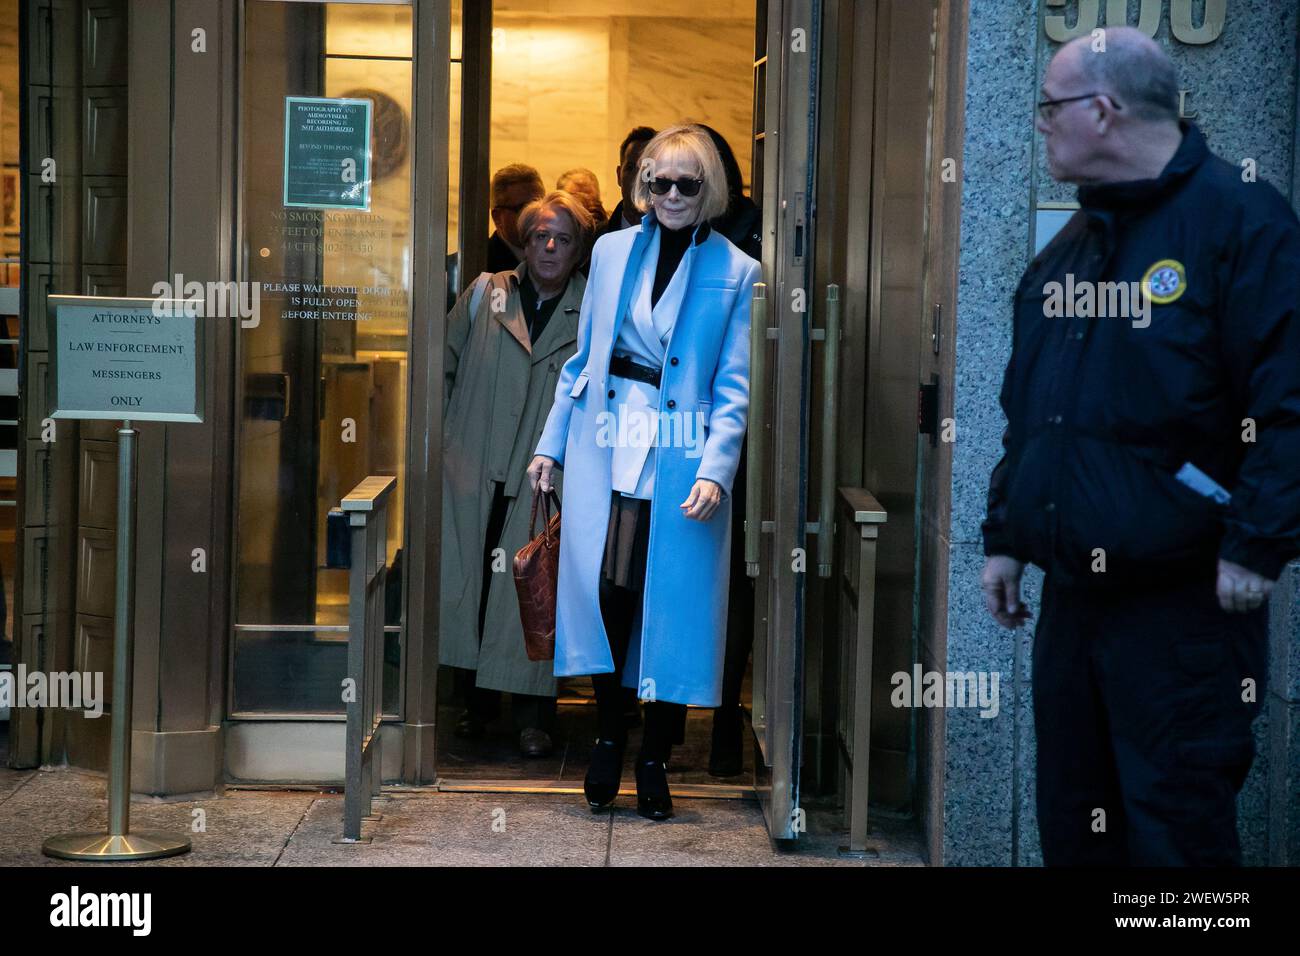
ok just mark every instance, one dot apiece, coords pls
pixel 757 426
pixel 830 391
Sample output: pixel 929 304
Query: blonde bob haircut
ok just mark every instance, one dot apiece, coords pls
pixel 688 145
pixel 557 199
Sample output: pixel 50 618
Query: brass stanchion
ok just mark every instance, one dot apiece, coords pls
pixel 119 843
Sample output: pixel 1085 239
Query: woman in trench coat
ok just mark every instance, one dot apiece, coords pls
pixel 647 424
pixel 507 338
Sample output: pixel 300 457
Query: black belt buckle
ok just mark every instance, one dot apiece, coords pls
pixel 624 367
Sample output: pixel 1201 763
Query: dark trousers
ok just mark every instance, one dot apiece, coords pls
pixel 618 608
pixel 740 613
pixel 740 602
pixel 527 710
pixel 1144 737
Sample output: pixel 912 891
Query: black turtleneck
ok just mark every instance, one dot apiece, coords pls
pixel 537 311
pixel 672 246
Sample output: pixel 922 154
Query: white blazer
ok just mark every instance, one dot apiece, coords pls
pixel 634 409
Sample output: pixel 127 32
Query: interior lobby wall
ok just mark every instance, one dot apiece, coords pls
pixel 566 89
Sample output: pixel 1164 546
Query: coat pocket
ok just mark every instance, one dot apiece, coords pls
pixel 702 416
pixel 1133 511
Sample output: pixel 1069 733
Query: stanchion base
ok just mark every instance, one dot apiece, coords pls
pixel 140 845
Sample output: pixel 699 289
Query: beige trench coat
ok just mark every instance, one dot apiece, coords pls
pixel 499 388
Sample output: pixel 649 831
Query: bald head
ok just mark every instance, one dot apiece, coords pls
pixel 1110 109
pixel 1129 67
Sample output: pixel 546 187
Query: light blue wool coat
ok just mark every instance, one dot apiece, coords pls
pixel 677 644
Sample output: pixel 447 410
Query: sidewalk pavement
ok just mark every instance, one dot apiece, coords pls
pixel 426 828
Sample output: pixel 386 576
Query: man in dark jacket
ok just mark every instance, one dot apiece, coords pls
pixel 513 188
pixel 1151 466
pixel 625 214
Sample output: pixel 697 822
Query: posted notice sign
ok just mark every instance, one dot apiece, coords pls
pixel 114 358
pixel 326 153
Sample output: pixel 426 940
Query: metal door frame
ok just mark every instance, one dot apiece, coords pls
pixel 789 171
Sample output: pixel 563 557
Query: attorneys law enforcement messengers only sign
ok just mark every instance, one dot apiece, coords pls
pixel 130 360
pixel 125 359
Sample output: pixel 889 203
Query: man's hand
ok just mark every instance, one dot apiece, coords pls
pixel 1240 589
pixel 703 500
pixel 1001 585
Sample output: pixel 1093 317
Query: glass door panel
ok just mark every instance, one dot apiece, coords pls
pixel 323 375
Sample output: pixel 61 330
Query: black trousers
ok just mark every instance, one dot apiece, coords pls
pixel 740 598
pixel 618 608
pixel 527 710
pixel 1143 702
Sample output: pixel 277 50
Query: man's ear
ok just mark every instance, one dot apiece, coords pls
pixel 1105 116
pixel 1100 123
pixel 496 219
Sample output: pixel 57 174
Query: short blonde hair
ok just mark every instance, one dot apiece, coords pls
pixel 560 200
pixel 577 179
pixel 689 142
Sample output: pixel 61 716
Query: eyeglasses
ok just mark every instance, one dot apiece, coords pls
pixel 1047 108
pixel 687 187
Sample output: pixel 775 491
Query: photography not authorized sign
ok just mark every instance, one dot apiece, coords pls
pixel 326 153
pixel 125 359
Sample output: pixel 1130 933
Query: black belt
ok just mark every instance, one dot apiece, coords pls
pixel 624 367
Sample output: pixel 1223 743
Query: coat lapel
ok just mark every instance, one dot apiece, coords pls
pixel 513 316
pixel 668 309
pixel 642 312
pixel 629 275
pixel 689 264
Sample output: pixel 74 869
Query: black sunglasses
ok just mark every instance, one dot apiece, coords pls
pixel 1047 108
pixel 687 187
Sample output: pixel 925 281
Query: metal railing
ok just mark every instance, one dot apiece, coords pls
pixel 854 730
pixel 367 509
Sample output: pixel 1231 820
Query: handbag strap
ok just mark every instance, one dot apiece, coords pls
pixel 546 500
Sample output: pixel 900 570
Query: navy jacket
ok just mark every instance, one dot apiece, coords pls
pixel 1102 411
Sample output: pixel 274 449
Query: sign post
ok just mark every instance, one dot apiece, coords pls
pixel 128 359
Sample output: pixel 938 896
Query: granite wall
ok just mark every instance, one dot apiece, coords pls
pixel 1243 94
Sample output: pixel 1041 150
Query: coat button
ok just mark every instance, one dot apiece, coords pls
pixel 673 360
pixel 671 403
pixel 1050 506
pixel 611 393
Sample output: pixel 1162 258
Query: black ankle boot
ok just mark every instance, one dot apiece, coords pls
pixel 604 773
pixel 653 801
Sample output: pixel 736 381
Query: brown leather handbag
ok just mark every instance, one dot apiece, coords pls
pixel 537 569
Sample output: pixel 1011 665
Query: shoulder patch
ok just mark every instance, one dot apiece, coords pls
pixel 1165 281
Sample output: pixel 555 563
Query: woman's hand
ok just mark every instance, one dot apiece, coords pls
pixel 704 499
pixel 539 470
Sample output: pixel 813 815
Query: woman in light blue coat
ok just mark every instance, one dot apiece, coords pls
pixel 647 425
